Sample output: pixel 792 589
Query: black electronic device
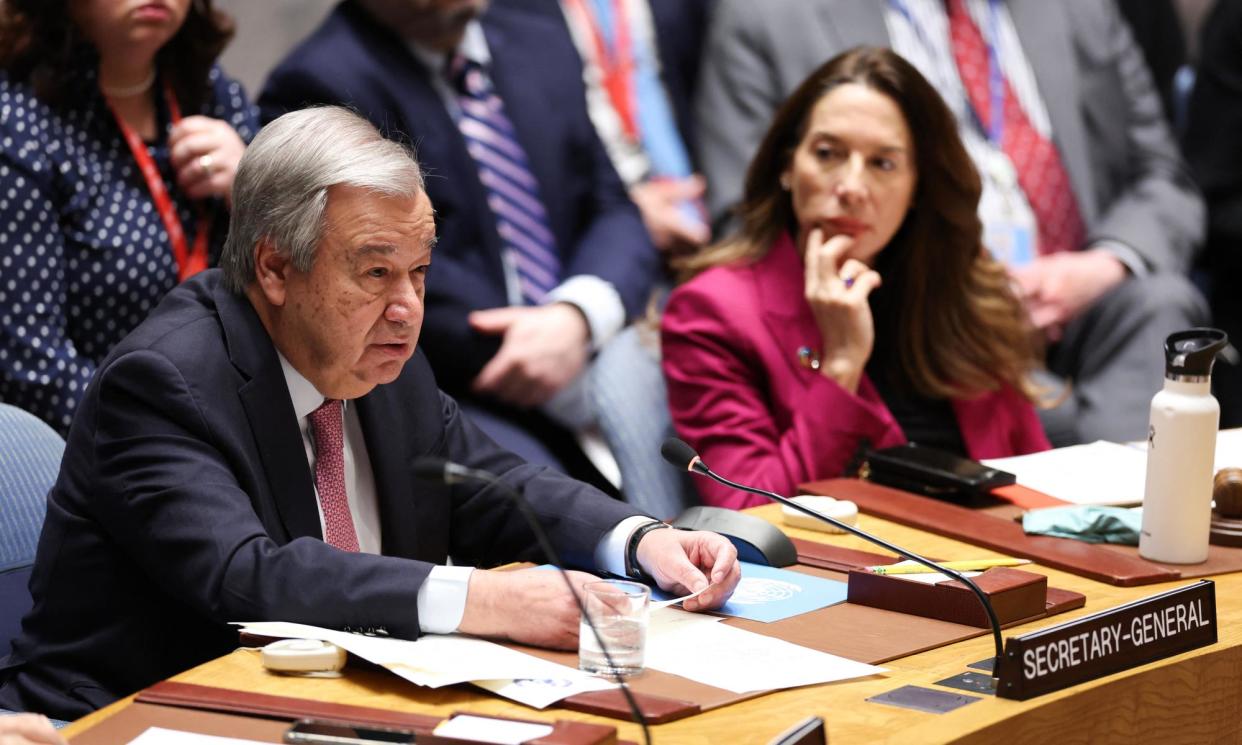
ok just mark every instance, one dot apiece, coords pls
pixel 681 455
pixel 324 732
pixel 933 473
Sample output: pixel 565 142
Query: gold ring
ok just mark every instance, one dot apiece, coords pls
pixel 207 163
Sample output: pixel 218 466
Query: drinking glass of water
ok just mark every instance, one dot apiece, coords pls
pixel 619 610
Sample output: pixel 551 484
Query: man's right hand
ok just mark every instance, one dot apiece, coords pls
pixel 662 203
pixel 543 349
pixel 529 606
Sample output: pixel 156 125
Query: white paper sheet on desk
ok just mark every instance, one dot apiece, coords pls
pixel 1102 473
pixel 540 693
pixel 438 660
pixel 702 649
pixel 161 736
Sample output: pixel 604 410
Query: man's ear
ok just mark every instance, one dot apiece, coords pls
pixel 272 271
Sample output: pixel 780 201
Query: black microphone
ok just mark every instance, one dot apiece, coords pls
pixel 430 468
pixel 681 455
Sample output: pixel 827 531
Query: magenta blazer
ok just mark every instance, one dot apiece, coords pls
pixel 740 397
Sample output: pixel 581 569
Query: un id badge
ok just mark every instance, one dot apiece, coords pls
pixel 1010 233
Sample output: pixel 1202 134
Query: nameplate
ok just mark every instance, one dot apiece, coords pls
pixel 1117 639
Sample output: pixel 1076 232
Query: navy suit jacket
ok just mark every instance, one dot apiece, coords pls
pixel 185 501
pixel 351 60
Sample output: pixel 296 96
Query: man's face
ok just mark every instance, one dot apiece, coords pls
pixel 352 321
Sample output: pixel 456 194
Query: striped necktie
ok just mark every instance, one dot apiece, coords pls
pixel 512 192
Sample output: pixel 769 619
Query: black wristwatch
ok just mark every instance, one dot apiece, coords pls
pixel 633 569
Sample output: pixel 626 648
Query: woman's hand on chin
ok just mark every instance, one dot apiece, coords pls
pixel 837 288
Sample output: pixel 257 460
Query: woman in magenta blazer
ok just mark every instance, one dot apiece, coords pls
pixel 856 306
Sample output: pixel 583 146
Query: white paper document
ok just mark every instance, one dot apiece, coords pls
pixel 1103 473
pixel 438 660
pixel 700 648
pixel 1229 448
pixel 1098 473
pixel 486 729
pixel 539 693
pixel 161 736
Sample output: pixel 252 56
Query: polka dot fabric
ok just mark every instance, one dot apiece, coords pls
pixel 83 254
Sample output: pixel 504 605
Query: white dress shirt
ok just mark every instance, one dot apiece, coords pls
pixel 442 597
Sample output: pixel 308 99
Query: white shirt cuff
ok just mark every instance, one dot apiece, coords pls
pixel 1128 257
pixel 610 553
pixel 442 599
pixel 598 300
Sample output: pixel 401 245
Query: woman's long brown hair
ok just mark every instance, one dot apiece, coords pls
pixel 960 330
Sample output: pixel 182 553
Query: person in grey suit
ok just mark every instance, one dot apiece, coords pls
pixel 1104 305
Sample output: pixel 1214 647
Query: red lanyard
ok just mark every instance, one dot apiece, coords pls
pixel 617 64
pixel 189 262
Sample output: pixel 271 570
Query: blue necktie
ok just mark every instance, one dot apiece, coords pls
pixel 512 192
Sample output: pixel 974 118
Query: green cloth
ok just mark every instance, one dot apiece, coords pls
pixel 1091 524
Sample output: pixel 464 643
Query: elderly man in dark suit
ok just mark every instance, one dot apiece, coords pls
pixel 542 256
pixel 1085 194
pixel 248 453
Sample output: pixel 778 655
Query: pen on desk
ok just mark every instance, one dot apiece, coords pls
pixel 970 565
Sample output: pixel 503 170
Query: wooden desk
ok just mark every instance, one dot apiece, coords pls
pixel 1191 698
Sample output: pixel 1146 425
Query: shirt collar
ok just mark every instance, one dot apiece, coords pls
pixel 306 398
pixel 473 46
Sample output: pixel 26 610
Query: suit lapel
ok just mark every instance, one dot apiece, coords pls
pixel 1048 43
pixel 269 410
pixel 398 430
pixel 386 428
pixel 780 285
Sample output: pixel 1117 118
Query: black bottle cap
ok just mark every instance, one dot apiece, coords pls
pixel 1190 353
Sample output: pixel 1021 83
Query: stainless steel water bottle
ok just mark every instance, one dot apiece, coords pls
pixel 1181 450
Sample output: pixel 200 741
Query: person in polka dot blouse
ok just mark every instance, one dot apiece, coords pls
pixel 92 144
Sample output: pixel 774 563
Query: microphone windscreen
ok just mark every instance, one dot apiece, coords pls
pixel 678 453
pixel 430 468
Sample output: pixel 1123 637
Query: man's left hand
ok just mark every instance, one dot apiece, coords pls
pixel 683 562
pixel 1058 287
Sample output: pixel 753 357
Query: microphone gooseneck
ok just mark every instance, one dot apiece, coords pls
pixel 446 471
pixel 681 455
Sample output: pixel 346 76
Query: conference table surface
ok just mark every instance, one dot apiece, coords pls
pixel 1194 697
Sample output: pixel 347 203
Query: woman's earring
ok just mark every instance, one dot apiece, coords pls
pixel 784 183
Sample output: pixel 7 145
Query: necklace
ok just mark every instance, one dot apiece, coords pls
pixel 126 91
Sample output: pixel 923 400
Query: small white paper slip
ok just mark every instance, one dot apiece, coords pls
pixel 161 736
pixel 484 729
pixel 675 601
pixel 539 693
pixel 931 578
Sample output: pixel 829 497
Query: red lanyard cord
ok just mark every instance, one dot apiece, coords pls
pixel 189 262
pixel 617 63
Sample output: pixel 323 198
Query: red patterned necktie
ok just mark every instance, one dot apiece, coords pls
pixel 1040 172
pixel 328 429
